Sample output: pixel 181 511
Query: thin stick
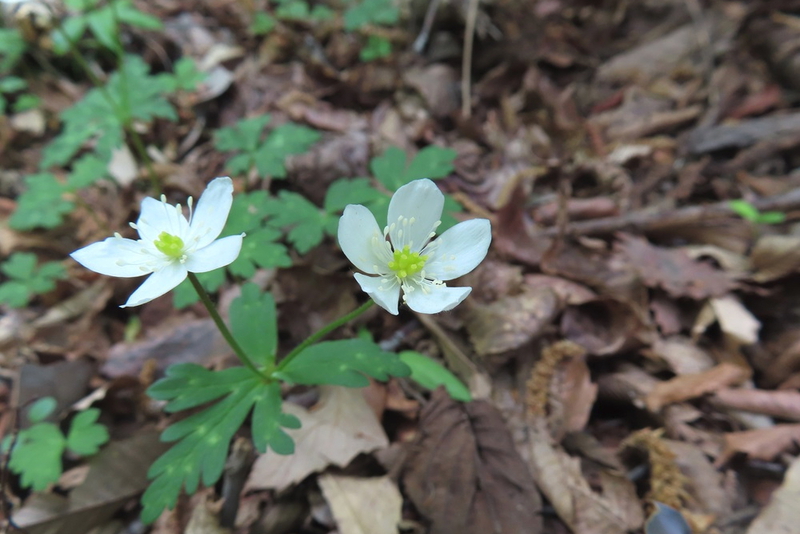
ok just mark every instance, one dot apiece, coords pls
pixel 466 59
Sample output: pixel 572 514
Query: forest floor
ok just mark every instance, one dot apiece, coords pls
pixel 632 338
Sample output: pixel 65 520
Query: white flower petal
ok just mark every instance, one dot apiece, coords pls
pixel 420 201
pixel 212 211
pixel 387 295
pixel 218 254
pixel 362 240
pixel 438 299
pixel 116 256
pixel 157 217
pixel 459 250
pixel 157 284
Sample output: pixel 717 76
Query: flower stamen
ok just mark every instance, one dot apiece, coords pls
pixel 170 245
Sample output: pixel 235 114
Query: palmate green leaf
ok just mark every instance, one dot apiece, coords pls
pixel 431 374
pixel 37 455
pixel 304 220
pixel 269 421
pixel 342 363
pixel 432 162
pixel 85 434
pixel 244 136
pixel 254 324
pixel 42 204
pixel 27 279
pixel 187 385
pixel 370 12
pixel 41 409
pixel 86 171
pixel 377 47
pixel 263 23
pixel 352 191
pixel 187 76
pixel 103 112
pixel 260 249
pixel 283 141
pixel 204 437
pixel 12 48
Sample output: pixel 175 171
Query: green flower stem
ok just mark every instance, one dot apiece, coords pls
pixel 223 328
pixel 324 331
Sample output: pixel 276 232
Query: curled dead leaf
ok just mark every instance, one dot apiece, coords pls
pixel 781 404
pixel 762 444
pixel 694 385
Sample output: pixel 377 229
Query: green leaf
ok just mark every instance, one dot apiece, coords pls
pixel 283 141
pixel 263 23
pixel 371 12
pixel 245 135
pixel 12 84
pixel 771 217
pixel 376 48
pixel 204 437
pixel 430 374
pixel 342 363
pixel 389 167
pixel 185 294
pixel 744 209
pixel 304 220
pixel 103 25
pixel 37 455
pixel 86 171
pixel 27 279
pixel 26 102
pixel 15 294
pixel 85 435
pixel 41 409
pixel 102 114
pixel 269 421
pixel 187 385
pixel 350 191
pixel 431 162
pixel 42 204
pixel 259 249
pixel 320 13
pixel 12 47
pixel 247 213
pixel 128 14
pixel 254 324
pixel 293 10
pixel 71 30
pixel 187 76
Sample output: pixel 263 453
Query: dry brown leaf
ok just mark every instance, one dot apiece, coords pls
pixel 673 270
pixel 706 484
pixel 363 505
pixel 781 404
pixel 572 396
pixel 775 256
pixel 736 322
pixel 584 510
pixel 341 426
pixel 682 356
pixel 687 387
pixel 511 322
pixel 205 518
pixel 568 291
pixel 761 444
pixel 781 515
pixel 464 474
pixel 603 327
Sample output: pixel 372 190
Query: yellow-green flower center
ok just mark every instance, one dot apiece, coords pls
pixel 407 263
pixel 170 245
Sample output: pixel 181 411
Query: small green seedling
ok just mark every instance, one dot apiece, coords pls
pixel 37 450
pixel 26 279
pixel 749 212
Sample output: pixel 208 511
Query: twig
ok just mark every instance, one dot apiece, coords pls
pixel 427 25
pixel 650 221
pixel 466 60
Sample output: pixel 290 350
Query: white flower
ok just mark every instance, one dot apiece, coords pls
pixel 409 259
pixel 169 246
